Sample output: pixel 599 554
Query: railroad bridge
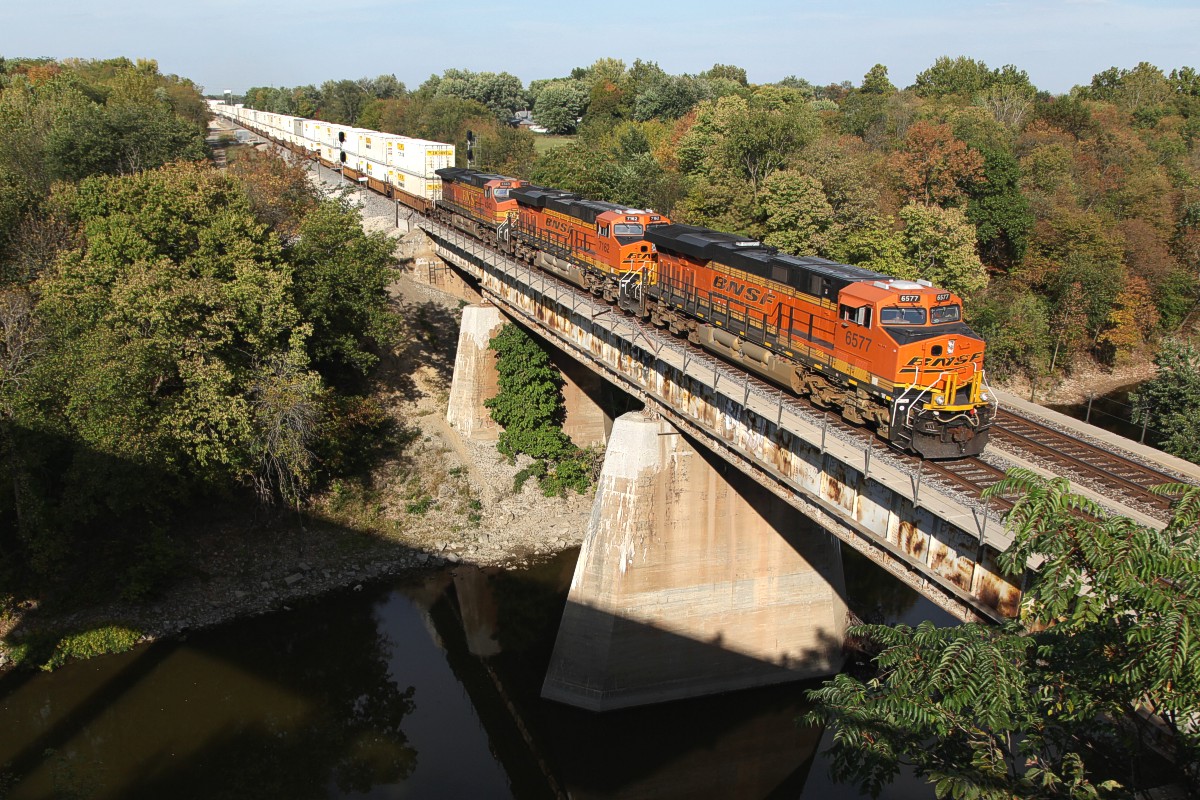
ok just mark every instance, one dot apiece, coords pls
pixel 695 575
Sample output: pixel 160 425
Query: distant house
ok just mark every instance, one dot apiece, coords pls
pixel 524 119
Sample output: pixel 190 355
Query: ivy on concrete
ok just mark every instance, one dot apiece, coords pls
pixel 531 410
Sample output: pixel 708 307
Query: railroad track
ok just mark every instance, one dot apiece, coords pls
pixel 1102 470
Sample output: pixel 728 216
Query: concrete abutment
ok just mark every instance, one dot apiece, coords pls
pixel 692 580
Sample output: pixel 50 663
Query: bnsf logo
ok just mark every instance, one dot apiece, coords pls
pixel 752 294
pixel 945 361
pixel 557 224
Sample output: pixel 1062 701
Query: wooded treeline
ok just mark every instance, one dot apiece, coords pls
pixel 172 337
pixel 1071 222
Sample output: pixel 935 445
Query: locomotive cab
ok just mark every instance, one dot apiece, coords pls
pixel 621 236
pixel 912 333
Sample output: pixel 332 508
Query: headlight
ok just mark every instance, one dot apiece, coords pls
pixel 939 400
pixel 984 397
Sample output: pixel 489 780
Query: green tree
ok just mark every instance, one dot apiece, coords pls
pixel 727 72
pixel 1056 705
pixel 342 101
pixel 967 77
pixel 670 97
pixel 999 210
pixel 1169 403
pixel 876 245
pixel 560 105
pixel 530 408
pixel 940 245
pixel 799 219
pixel 503 94
pixel 745 139
pixel 339 281
pixel 1015 322
pixel 876 81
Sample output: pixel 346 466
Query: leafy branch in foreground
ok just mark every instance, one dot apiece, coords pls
pixel 1065 703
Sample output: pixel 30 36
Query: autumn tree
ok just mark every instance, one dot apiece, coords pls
pixel 935 167
pixel 1131 322
pixel 278 189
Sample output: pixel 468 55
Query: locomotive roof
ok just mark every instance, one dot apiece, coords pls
pixel 469 176
pixel 563 202
pixel 749 255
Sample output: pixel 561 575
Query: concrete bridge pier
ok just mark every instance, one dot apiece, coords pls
pixel 476 380
pixel 587 422
pixel 692 580
pixel 475 376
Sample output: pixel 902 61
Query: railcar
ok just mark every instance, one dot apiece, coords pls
pixel 592 244
pixel 479 203
pixel 891 353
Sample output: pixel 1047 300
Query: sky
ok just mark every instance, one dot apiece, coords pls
pixel 231 44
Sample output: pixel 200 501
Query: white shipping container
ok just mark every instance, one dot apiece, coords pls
pixel 367 166
pixel 420 157
pixel 373 144
pixel 429 188
pixel 309 132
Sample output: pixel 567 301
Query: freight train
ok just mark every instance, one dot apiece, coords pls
pixel 893 354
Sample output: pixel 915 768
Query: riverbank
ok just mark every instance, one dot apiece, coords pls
pixel 1086 379
pixel 432 499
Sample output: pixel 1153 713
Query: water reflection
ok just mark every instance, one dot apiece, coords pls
pixel 425 689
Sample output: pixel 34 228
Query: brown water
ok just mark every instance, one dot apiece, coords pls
pixel 425 689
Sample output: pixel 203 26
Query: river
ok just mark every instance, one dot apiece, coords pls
pixel 417 688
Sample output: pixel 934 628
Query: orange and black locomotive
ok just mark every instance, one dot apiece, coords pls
pixel 891 353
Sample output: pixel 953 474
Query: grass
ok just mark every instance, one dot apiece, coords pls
pixel 545 142
pixel 48 652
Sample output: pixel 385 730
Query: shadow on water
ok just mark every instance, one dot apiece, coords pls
pixel 428 687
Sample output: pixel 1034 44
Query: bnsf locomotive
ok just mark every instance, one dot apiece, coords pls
pixel 891 353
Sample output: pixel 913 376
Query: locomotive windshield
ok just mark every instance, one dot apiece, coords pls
pixel 500 194
pixel 942 314
pixel 627 229
pixel 902 316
